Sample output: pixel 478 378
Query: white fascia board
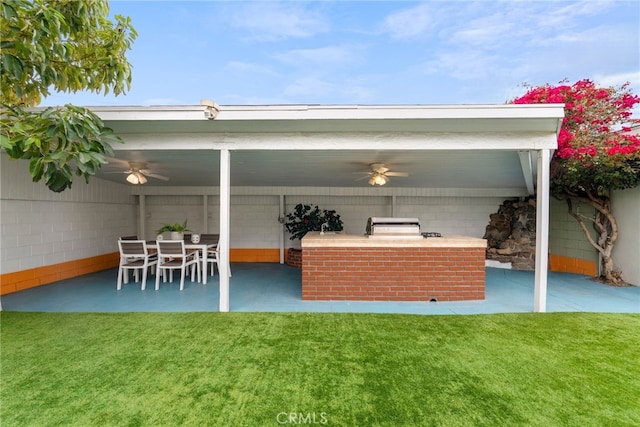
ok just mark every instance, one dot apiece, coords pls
pixel 333 112
pixel 156 113
pixel 360 112
pixel 329 141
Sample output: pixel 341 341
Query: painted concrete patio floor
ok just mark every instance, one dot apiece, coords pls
pixel 262 287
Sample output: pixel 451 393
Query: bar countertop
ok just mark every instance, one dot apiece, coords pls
pixel 331 239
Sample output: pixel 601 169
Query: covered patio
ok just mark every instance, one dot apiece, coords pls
pixel 271 287
pixel 449 151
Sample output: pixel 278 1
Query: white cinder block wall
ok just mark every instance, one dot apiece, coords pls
pixel 463 216
pixel 626 253
pixel 566 238
pixel 254 218
pixel 171 209
pixel 254 221
pixel 40 227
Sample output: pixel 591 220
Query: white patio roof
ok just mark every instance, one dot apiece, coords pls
pixel 445 146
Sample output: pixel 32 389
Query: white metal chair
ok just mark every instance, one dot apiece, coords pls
pixel 173 256
pixel 212 258
pixel 134 256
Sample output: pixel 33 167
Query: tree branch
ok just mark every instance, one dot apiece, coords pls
pixel 583 226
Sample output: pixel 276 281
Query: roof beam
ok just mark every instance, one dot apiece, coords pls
pixel 527 170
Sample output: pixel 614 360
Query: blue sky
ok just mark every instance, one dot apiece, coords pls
pixel 360 52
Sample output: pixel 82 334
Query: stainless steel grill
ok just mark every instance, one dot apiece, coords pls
pixel 393 227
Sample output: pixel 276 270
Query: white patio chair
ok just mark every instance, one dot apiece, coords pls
pixel 173 256
pixel 134 256
pixel 213 258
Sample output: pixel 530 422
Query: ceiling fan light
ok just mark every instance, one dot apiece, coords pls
pixel 133 179
pixel 378 179
pixel 141 178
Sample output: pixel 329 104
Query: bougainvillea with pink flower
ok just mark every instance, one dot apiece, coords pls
pixel 598 151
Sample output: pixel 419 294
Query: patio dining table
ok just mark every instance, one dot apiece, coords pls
pixel 202 246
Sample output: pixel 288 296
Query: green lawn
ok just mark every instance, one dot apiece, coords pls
pixel 245 369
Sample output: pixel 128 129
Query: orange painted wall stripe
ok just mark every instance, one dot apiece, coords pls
pixel 25 279
pixel 563 264
pixel 254 255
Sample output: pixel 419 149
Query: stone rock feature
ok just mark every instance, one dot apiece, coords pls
pixel 511 234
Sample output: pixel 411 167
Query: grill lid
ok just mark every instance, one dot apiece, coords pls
pixel 389 226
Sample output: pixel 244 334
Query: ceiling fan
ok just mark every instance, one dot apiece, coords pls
pixel 379 174
pixel 138 175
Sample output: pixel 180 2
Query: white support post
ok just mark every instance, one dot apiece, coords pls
pixel 542 233
pixel 205 214
pixel 143 218
pixel 225 214
pixel 281 213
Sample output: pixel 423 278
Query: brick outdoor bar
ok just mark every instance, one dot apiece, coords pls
pixel 350 267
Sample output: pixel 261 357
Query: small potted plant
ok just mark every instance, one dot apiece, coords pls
pixel 305 218
pixel 177 230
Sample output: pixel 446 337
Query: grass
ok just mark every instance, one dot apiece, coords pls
pixel 245 369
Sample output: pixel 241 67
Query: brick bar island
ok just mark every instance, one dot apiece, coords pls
pixel 350 267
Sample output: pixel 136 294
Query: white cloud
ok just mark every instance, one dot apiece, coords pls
pixel 269 21
pixel 408 23
pixel 309 87
pixel 482 35
pixel 567 16
pixel 608 35
pixel 463 64
pixel 314 90
pixel 248 67
pixel 358 93
pixel 618 79
pixel 328 54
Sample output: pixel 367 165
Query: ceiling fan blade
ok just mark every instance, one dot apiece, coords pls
pixel 129 171
pixel 118 162
pixel 362 177
pixel 396 174
pixel 153 175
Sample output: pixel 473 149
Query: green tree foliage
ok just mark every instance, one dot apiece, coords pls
pixel 305 218
pixel 62 46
